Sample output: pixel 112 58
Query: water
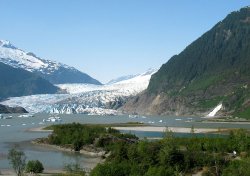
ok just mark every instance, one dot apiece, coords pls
pixel 14 132
pixel 156 135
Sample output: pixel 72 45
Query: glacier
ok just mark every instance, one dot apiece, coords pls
pixel 85 98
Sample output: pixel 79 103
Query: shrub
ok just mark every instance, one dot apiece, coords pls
pixel 34 166
pixel 17 160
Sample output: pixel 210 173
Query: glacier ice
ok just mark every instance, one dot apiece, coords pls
pixel 85 98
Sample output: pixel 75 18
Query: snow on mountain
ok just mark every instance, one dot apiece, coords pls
pixel 130 86
pixel 17 58
pixel 85 98
pixel 79 88
pixel 122 78
pixel 54 72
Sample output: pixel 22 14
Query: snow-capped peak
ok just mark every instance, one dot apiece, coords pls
pixel 7 44
pixel 54 72
pixel 122 78
pixel 15 57
pixel 118 80
pixel 11 55
pixel 3 42
pixel 150 71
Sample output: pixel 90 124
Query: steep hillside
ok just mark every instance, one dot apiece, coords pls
pixel 19 82
pixel 215 68
pixel 56 73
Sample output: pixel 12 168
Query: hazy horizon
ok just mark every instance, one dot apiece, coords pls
pixel 108 39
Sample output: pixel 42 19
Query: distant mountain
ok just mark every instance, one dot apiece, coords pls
pixel 85 98
pixel 56 73
pixel 213 69
pixel 128 77
pixel 18 82
pixel 122 78
pixel 132 86
pixel 6 109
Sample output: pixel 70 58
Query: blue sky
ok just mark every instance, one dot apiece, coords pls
pixel 110 38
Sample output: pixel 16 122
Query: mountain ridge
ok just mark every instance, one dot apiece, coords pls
pixel 52 71
pixel 18 82
pixel 214 68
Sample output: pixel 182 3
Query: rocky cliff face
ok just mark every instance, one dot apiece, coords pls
pixel 160 104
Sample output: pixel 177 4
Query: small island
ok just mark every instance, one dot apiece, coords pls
pixel 93 140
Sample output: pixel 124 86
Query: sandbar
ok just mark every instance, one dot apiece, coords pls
pixel 164 129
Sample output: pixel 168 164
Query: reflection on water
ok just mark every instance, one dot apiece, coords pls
pixel 51 158
pixel 14 131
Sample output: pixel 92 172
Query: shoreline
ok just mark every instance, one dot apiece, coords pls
pixel 8 172
pixel 173 129
pixel 227 122
pixel 82 151
pixel 147 128
pixel 38 129
pixel 140 128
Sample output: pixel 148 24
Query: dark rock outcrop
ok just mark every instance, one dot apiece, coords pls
pixel 6 109
pixel 16 82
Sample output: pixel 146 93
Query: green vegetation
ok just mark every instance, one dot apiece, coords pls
pixel 128 156
pixel 74 170
pixel 127 124
pixel 238 167
pixel 34 166
pixel 17 160
pixel 224 50
pixel 214 67
pixel 76 135
pixel 202 83
pixel 210 103
pixel 179 156
pixel 238 101
pixel 244 114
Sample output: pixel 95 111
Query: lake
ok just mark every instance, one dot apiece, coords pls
pixel 15 132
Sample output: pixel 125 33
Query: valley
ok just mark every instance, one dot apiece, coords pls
pixel 189 114
pixel 85 98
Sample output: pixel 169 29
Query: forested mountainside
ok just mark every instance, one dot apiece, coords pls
pixel 215 68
